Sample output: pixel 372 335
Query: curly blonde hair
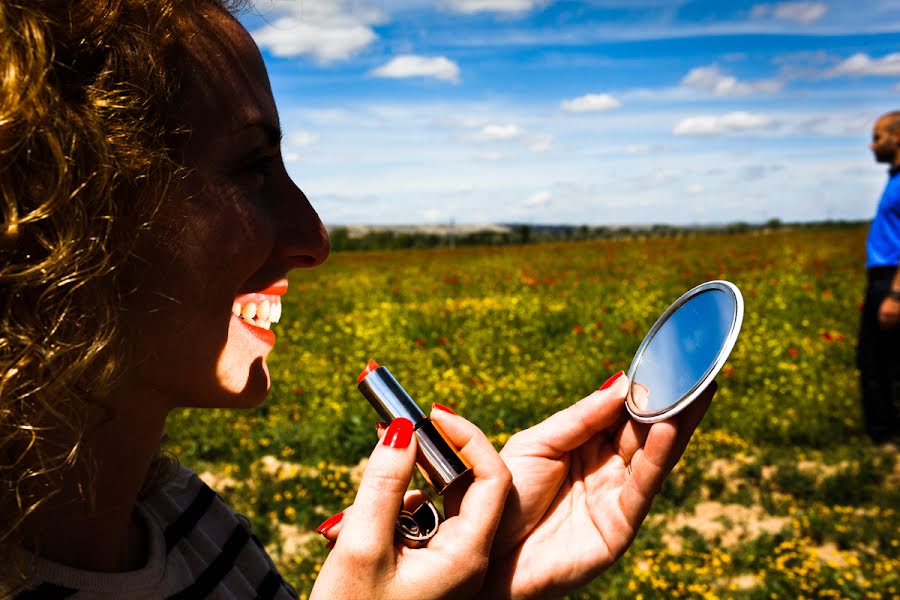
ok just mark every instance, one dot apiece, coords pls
pixel 87 145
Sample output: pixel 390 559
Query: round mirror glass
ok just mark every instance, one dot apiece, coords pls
pixel 684 350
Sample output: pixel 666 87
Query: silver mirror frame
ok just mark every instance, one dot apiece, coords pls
pixel 711 372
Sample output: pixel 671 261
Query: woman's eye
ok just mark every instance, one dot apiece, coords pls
pixel 253 173
pixel 260 165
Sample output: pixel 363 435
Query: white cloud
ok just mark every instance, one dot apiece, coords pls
pixel 327 30
pixel 498 133
pixel 493 156
pixel 722 124
pixel 539 199
pixel 798 12
pixel 897 88
pixel 642 148
pixel 537 143
pixel 431 215
pixel 590 103
pixel 713 79
pixel 695 188
pixel 801 12
pixel 540 142
pixel 503 6
pixel 410 65
pixel 863 64
pixel 302 139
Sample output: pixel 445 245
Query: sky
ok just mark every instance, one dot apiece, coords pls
pixel 600 112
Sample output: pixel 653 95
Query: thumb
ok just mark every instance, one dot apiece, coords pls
pixel 571 427
pixel 369 527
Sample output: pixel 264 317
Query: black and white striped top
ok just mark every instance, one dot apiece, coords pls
pixel 199 548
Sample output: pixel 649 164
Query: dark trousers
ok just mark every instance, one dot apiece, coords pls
pixel 878 361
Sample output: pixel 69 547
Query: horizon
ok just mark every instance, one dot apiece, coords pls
pixel 595 113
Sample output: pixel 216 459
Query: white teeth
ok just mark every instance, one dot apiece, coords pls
pixel 275 313
pixel 261 315
pixel 249 311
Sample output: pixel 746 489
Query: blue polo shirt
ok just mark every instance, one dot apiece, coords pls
pixel 883 245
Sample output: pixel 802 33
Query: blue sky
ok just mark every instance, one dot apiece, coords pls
pixel 596 112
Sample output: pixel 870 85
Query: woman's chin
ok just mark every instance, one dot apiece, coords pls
pixel 245 386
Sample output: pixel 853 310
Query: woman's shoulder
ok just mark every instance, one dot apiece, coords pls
pixel 198 547
pixel 209 542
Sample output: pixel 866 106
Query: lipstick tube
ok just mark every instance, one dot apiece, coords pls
pixel 437 459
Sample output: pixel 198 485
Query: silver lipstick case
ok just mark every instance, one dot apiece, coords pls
pixel 437 459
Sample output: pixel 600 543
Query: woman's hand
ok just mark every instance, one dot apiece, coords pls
pixel 365 561
pixel 583 481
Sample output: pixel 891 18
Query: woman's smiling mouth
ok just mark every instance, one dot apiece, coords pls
pixel 261 314
pixel 258 310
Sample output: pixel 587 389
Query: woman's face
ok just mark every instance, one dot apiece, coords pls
pixel 228 234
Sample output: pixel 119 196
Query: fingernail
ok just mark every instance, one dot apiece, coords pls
pixel 380 425
pixel 611 380
pixel 399 433
pixel 442 407
pixel 329 523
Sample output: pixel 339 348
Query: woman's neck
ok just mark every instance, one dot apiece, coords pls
pixel 91 523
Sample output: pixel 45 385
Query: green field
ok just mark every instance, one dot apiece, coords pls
pixel 779 494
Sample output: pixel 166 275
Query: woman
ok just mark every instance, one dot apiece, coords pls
pixel 144 197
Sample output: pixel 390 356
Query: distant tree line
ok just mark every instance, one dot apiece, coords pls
pixel 343 238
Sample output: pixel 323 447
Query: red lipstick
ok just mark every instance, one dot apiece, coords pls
pixel 266 335
pixel 369 368
pixel 279 288
pixel 437 459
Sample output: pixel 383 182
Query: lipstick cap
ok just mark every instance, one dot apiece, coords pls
pixel 437 459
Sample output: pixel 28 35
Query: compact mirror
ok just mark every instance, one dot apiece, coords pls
pixel 684 351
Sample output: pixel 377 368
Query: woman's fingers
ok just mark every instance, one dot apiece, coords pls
pixel 666 451
pixel 480 506
pixel 651 462
pixel 570 428
pixel 369 528
pixel 331 527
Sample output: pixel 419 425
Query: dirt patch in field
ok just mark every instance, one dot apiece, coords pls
pixel 729 470
pixel 218 482
pixel 726 525
pixel 294 539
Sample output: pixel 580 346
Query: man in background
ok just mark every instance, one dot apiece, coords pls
pixel 878 352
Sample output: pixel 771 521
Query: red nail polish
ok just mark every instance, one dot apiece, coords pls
pixel 399 433
pixel 611 380
pixel 380 425
pixel 442 407
pixel 329 523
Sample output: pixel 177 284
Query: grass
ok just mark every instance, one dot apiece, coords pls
pixel 778 496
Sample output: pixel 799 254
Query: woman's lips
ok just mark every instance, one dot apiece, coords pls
pixel 279 288
pixel 260 333
pixel 258 310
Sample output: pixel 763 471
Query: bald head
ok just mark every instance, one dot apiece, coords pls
pixel 886 139
pixel 891 121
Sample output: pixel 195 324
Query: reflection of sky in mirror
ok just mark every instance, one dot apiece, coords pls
pixel 684 348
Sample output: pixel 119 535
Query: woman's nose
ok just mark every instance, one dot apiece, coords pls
pixel 302 238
